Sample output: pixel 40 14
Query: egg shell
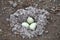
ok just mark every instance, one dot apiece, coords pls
pixel 30 20
pixel 33 26
pixel 25 24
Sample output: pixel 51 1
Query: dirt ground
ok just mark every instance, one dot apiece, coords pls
pixel 53 27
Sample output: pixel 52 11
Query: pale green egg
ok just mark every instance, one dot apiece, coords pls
pixel 33 26
pixel 25 24
pixel 30 20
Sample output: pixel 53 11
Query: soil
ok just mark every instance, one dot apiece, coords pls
pixel 53 26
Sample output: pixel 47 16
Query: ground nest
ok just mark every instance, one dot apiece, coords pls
pixel 39 15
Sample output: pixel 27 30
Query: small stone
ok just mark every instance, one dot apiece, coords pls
pixel 11 2
pixel 58 14
pixel 19 0
pixel 16 33
pixel 7 19
pixel 40 0
pixel 14 4
pixel 46 31
pixel 0 30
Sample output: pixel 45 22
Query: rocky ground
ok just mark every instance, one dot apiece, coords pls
pixel 52 28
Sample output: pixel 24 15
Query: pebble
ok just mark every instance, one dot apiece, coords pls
pixel 19 0
pixel 58 14
pixel 14 4
pixel 7 19
pixel 46 31
pixel 11 2
pixel 0 30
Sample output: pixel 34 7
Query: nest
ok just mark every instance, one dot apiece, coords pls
pixel 39 15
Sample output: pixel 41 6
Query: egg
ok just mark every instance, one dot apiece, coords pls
pixel 30 20
pixel 33 26
pixel 25 24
